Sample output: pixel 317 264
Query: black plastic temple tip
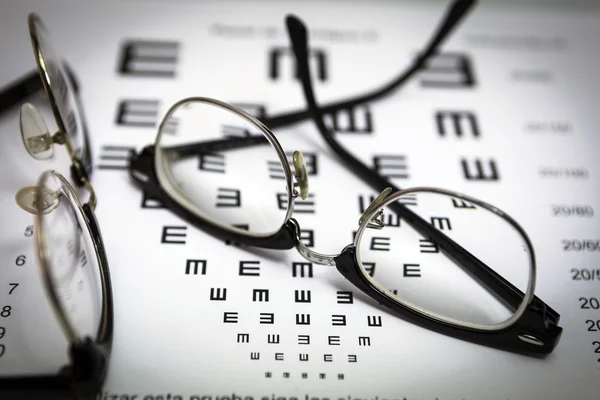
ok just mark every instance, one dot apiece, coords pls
pixel 295 26
pixel 298 36
pixel 457 11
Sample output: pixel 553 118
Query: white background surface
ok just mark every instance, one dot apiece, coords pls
pixel 169 338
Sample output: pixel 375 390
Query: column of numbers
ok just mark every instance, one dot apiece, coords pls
pixel 8 292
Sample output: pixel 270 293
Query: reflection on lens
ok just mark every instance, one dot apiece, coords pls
pixel 418 272
pixel 58 87
pixel 71 266
pixel 208 179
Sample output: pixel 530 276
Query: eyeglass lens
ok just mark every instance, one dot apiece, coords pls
pixel 418 272
pixel 209 183
pixel 71 259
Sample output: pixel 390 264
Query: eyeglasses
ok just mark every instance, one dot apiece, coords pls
pixel 480 304
pixel 489 299
pixel 71 256
pixel 467 288
pixel 186 173
pixel 492 306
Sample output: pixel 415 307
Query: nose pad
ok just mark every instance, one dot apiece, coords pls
pixel 376 222
pixel 301 174
pixel 26 199
pixel 34 132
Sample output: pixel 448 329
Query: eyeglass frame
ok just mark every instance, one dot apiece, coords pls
pixel 142 162
pixel 89 358
pixel 538 340
pixel 144 169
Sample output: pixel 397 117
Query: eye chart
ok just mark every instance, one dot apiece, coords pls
pixel 507 112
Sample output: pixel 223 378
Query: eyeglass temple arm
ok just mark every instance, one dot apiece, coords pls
pixel 17 91
pixel 194 149
pixel 29 84
pixel 51 387
pixel 457 11
pixel 81 379
pixel 499 286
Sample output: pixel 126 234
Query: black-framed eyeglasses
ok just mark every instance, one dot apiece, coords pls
pixel 185 173
pixel 71 256
pixel 480 305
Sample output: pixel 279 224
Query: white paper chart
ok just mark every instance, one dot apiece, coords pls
pixel 508 112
